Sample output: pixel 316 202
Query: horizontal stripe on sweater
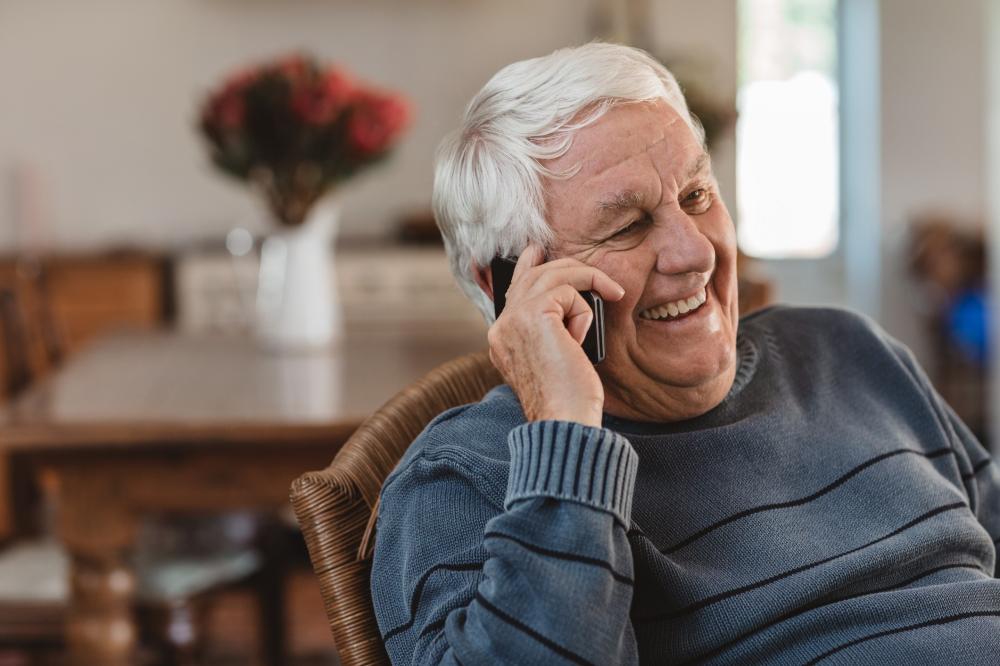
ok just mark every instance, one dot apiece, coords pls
pixel 668 550
pixel 722 596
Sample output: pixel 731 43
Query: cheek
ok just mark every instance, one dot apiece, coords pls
pixel 629 269
pixel 721 231
pixel 722 235
pixel 632 271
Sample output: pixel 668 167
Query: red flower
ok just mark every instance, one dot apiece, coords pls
pixel 240 81
pixel 226 109
pixel 337 86
pixel 313 119
pixel 323 101
pixel 295 68
pixel 229 111
pixel 376 120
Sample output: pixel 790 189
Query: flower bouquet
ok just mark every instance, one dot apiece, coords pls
pixel 296 128
pixel 293 130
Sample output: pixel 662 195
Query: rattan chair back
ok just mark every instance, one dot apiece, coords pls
pixel 336 507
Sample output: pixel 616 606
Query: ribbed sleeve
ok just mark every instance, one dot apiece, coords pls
pixel 571 461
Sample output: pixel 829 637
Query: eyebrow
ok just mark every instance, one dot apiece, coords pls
pixel 698 166
pixel 627 200
pixel 622 201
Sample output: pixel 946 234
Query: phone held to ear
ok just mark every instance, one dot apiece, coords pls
pixel 593 342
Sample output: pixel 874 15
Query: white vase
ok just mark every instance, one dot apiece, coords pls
pixel 297 304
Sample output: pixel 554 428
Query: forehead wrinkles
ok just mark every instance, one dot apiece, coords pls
pixel 622 133
pixel 600 169
pixel 658 170
pixel 621 141
pixel 677 169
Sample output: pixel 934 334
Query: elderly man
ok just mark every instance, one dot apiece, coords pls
pixel 784 489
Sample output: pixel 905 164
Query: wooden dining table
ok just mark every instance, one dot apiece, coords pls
pixel 146 422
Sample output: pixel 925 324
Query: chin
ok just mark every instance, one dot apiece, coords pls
pixel 693 371
pixel 700 363
pixel 657 386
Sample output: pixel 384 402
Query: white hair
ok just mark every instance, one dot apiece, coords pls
pixel 488 197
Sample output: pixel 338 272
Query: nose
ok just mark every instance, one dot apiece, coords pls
pixel 681 247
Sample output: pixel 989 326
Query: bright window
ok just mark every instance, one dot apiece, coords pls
pixel 787 185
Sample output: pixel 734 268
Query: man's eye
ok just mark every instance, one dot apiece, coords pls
pixel 698 201
pixel 633 226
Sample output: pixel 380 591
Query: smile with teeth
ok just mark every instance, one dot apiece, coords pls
pixel 676 308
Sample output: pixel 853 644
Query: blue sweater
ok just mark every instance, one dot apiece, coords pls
pixel 832 509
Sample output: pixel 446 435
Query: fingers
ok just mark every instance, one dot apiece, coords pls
pixel 578 325
pixel 567 306
pixel 532 256
pixel 569 302
pixel 579 276
pixel 536 341
pixel 532 275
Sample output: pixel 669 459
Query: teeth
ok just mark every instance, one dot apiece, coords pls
pixel 676 308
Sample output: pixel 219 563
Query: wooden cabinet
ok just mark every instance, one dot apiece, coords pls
pixel 90 294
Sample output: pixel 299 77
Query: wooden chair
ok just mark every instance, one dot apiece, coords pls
pixel 337 507
pixel 31 338
pixel 29 348
pixel 16 375
pixel 33 608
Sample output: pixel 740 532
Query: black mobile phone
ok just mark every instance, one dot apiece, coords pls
pixel 593 342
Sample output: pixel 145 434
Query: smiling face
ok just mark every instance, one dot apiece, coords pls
pixel 645 209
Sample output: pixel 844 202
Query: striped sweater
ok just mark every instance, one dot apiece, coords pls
pixel 831 510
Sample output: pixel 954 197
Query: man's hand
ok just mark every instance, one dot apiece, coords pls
pixel 536 341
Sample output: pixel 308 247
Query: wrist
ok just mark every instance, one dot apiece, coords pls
pixel 590 419
pixel 570 461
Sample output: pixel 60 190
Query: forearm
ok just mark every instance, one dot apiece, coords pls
pixel 559 577
pixel 556 580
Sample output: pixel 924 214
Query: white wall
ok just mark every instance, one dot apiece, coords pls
pixel 933 133
pixel 98 99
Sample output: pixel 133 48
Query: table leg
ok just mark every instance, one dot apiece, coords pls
pixel 97 529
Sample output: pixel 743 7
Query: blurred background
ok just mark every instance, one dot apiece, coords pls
pixel 216 245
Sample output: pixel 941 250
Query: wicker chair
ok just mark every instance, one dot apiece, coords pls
pixel 336 507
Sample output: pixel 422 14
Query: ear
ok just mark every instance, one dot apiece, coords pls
pixel 484 278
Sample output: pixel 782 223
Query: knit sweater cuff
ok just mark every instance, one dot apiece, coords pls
pixel 571 461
